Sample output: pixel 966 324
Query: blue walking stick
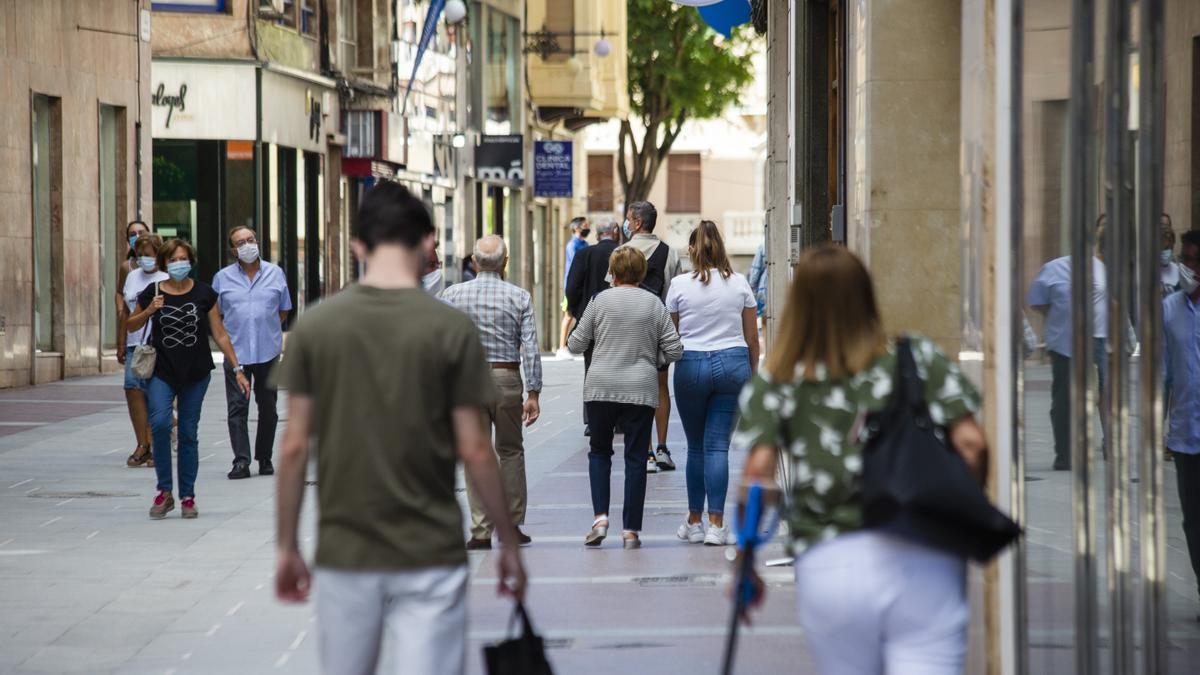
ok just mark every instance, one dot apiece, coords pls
pixel 757 501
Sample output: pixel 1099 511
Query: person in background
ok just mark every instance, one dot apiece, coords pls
pixel 1181 363
pixel 758 281
pixel 1169 272
pixel 577 242
pixel 253 298
pixel 432 281
pixel 714 309
pixel 869 602
pixel 145 249
pixel 389 560
pixel 469 269
pixel 503 315
pixel 184 315
pixel 630 333
pixel 662 265
pixel 585 280
pixel 1050 294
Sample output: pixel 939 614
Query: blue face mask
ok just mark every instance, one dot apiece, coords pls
pixel 179 269
pixel 147 263
pixel 132 240
pixel 625 229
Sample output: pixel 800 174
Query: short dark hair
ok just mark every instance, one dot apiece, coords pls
pixel 577 221
pixel 390 214
pixel 236 228
pixel 645 212
pixel 168 249
pixel 1191 238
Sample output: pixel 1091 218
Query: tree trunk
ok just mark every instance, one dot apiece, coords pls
pixel 638 168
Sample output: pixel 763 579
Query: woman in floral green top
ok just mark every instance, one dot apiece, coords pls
pixel 869 603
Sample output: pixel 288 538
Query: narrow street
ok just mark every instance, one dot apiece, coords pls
pixel 92 585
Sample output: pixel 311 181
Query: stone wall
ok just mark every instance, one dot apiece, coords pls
pixel 84 53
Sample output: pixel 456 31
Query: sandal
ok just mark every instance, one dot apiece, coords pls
pixel 598 533
pixel 141 455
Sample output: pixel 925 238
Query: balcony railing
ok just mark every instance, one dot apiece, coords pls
pixel 743 231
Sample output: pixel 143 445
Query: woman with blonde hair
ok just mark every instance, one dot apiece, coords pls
pixel 715 311
pixel 631 336
pixel 868 601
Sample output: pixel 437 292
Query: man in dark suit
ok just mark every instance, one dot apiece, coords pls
pixel 586 278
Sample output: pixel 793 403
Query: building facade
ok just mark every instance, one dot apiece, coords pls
pixel 76 147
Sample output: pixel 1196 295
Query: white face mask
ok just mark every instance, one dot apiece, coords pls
pixel 1166 256
pixel 147 263
pixel 433 282
pixel 1187 279
pixel 248 253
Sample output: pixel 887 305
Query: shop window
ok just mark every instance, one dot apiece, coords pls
pixel 600 183
pixel 46 160
pixel 683 183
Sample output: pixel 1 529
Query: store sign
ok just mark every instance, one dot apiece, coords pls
pixel 498 158
pixel 553 164
pixel 193 101
pixel 294 111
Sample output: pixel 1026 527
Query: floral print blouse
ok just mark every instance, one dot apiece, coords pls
pixel 819 427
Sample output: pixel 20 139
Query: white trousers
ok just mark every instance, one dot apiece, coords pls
pixel 423 611
pixel 870 603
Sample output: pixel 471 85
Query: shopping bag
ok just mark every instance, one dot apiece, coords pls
pixel 524 654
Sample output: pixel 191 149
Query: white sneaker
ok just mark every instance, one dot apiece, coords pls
pixel 692 533
pixel 564 354
pixel 719 536
pixel 651 465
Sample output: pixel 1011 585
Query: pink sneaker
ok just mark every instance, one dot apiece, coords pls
pixel 164 503
pixel 189 508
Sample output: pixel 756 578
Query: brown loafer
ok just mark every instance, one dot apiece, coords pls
pixel 474 544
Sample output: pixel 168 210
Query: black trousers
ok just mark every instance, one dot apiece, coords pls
pixel 238 407
pixel 1060 398
pixel 636 422
pixel 1187 479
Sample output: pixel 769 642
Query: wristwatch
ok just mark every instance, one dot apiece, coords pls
pixel 239 369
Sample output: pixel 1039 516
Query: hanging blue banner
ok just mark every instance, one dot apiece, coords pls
pixel 553 168
pixel 725 15
pixel 427 31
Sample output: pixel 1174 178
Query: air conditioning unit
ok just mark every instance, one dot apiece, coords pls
pixel 270 7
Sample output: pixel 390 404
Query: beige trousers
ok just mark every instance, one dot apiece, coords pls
pixel 504 417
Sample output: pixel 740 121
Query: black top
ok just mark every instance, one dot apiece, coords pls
pixel 586 277
pixel 179 332
pixel 656 271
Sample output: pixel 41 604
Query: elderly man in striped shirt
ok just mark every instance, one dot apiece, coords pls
pixel 503 313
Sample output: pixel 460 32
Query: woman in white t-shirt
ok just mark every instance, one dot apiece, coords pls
pixel 144 272
pixel 714 310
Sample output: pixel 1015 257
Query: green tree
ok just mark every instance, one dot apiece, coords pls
pixel 679 69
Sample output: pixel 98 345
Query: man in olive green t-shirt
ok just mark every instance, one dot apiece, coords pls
pixel 391 382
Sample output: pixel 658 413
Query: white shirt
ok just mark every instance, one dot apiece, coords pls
pixel 136 282
pixel 710 315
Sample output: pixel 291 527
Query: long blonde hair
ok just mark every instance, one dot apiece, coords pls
pixel 706 248
pixel 831 318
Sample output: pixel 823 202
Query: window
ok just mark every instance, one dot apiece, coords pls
pixel 111 223
pixel 501 84
pixel 600 183
pixel 683 183
pixel 212 6
pixel 362 133
pixel 560 20
pixel 308 17
pixel 46 160
pixel 347 35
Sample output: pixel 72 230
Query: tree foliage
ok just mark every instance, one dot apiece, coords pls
pixel 679 69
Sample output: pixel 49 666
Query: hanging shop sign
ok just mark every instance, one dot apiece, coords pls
pixel 192 101
pixel 498 158
pixel 553 164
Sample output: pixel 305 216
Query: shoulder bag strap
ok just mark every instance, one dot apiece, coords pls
pixel 146 328
pixel 909 388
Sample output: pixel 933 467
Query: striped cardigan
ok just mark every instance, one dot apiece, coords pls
pixel 630 333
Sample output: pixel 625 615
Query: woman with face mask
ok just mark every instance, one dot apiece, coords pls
pixel 1170 269
pixel 144 274
pixel 182 314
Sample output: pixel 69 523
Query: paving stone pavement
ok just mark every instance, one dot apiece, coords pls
pixel 88 584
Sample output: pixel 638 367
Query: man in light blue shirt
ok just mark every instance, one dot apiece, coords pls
pixel 1181 368
pixel 254 301
pixel 1050 294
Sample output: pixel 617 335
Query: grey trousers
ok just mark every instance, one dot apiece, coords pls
pixel 238 408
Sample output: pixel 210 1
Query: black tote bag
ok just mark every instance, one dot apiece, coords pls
pixel 916 485
pixel 522 655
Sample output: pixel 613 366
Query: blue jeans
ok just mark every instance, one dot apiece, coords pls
pixel 707 385
pixel 159 397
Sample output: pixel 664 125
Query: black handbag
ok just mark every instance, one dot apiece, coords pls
pixel 522 655
pixel 916 486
